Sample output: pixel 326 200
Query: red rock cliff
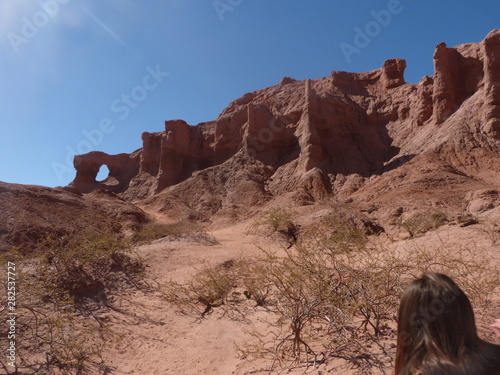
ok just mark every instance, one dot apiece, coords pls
pixel 320 137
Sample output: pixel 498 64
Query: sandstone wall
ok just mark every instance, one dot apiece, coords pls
pixel 321 136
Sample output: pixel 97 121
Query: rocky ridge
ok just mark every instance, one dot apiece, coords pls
pixel 370 141
pixel 349 135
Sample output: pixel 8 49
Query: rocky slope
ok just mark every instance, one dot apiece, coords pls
pixel 29 214
pixel 368 140
pixel 354 136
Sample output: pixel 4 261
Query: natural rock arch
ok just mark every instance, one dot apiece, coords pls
pixel 122 168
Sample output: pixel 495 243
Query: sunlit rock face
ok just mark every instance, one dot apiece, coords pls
pixel 323 137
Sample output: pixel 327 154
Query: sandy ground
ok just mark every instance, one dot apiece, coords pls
pixel 152 338
pixel 147 336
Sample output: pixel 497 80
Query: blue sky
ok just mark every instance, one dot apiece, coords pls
pixel 81 75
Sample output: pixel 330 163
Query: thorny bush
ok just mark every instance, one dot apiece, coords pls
pixel 57 335
pixel 330 291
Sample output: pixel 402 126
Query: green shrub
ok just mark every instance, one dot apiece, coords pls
pixel 250 277
pixel 276 221
pixel 336 234
pixel 207 289
pixel 423 222
pixel 84 262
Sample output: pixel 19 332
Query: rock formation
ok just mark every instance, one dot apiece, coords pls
pixel 333 136
pixel 122 168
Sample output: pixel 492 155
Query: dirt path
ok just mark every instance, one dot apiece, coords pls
pixel 152 338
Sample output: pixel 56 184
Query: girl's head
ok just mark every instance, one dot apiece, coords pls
pixel 436 325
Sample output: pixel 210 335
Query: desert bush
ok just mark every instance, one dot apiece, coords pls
pixel 250 277
pixel 52 336
pixel 423 222
pixel 492 231
pixel 70 345
pixel 276 220
pixel 207 289
pixel 318 294
pixel 84 262
pixel 466 219
pixel 333 290
pixel 473 270
pixel 323 297
pixel 306 295
pixel 153 230
pixel 58 336
pixel 336 234
pixel 373 280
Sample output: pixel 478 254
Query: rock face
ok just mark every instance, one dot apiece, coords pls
pixel 332 136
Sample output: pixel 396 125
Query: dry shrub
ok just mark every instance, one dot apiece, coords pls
pixel 249 275
pixel 70 344
pixel 207 289
pixel 471 268
pixel 52 337
pixel 492 231
pixel 275 218
pixel 423 222
pixel 332 291
pixel 153 230
pixel 82 263
pixel 276 221
pixel 56 336
pixel 336 234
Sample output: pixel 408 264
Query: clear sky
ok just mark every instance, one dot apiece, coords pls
pixel 81 75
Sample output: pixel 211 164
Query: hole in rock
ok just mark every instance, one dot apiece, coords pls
pixel 102 174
